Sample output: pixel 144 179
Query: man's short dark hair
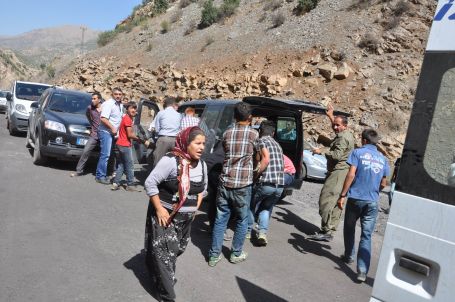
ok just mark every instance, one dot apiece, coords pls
pixel 131 104
pixel 242 112
pixel 98 95
pixel 344 119
pixel 267 128
pixel 117 89
pixel 169 101
pixel 371 136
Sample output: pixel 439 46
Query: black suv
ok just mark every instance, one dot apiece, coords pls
pixel 58 126
pixel 217 115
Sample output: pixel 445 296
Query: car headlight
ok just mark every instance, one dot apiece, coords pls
pixel 52 125
pixel 21 108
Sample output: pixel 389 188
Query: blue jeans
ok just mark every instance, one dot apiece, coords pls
pixel 288 179
pixel 105 145
pixel 125 164
pixel 231 200
pixel 367 211
pixel 265 197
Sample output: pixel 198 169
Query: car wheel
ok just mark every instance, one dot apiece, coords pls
pixel 304 172
pixel 38 158
pixel 10 129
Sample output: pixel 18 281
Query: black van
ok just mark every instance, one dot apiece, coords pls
pixel 217 115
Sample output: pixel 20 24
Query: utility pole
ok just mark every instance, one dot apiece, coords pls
pixel 83 29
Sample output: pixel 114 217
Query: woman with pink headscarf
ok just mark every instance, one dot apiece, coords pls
pixel 175 187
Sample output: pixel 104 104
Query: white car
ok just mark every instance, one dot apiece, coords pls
pixel 22 95
pixel 3 101
pixel 314 165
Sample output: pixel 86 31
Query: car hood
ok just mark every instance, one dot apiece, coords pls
pixel 319 157
pixel 67 118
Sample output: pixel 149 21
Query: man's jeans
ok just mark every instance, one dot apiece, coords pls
pixel 89 146
pixel 367 211
pixel 265 197
pixel 105 145
pixel 231 200
pixel 125 164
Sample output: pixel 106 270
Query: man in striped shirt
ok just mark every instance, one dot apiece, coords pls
pixel 270 184
pixel 189 120
pixel 236 182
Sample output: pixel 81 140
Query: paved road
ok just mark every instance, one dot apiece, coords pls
pixel 65 239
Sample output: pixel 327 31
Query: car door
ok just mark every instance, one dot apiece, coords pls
pixel 146 112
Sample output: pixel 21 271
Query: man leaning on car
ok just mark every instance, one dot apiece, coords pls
pixel 93 114
pixel 111 116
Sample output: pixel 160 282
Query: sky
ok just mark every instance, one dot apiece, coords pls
pixel 19 16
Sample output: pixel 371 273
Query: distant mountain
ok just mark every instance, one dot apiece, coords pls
pixel 45 45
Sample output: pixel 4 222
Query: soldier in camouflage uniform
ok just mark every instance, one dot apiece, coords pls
pixel 337 168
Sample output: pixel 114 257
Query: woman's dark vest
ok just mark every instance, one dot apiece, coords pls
pixel 169 188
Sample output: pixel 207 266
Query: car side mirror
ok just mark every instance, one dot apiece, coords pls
pixel 34 105
pixel 9 96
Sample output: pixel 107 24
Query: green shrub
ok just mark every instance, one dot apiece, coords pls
pixel 106 37
pixel 50 70
pixel 160 6
pixel 209 14
pixel 228 8
pixel 165 27
pixel 304 6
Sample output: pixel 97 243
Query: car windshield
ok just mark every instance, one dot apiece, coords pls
pixel 2 94
pixel 69 103
pixel 30 92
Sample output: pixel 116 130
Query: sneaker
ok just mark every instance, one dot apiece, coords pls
pixel 115 187
pixel 214 260
pixel 347 260
pixel 321 237
pixel 236 259
pixel 262 239
pixel 103 181
pixel 361 277
pixel 133 189
pixel 75 174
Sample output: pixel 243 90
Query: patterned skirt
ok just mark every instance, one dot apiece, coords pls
pixel 162 246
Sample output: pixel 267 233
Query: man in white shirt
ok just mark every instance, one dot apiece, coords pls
pixel 111 116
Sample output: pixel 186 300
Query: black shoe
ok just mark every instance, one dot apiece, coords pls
pixel 361 277
pixel 347 260
pixel 103 181
pixel 321 237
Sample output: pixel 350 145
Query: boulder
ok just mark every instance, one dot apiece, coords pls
pixel 342 72
pixel 327 71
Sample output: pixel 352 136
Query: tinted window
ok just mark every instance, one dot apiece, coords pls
pixel 286 129
pixel 439 160
pixel 69 103
pixel 29 91
pixel 226 120
pixel 2 94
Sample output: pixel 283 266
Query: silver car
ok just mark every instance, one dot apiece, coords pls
pixel 314 165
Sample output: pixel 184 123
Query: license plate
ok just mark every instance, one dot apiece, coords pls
pixel 81 141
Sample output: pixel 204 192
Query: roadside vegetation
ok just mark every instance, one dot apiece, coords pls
pixel 212 14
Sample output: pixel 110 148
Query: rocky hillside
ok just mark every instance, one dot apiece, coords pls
pixel 364 56
pixel 42 46
pixel 12 68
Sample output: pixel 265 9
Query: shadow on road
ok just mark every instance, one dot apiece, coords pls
pixel 253 293
pixel 137 265
pixel 303 245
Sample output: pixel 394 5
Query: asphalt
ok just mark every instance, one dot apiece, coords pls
pixel 72 239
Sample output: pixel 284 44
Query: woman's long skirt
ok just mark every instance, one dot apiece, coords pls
pixel 162 246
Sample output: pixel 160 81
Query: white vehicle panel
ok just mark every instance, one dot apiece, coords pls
pixel 443 28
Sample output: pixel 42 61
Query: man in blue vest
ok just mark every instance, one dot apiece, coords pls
pixel 365 179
